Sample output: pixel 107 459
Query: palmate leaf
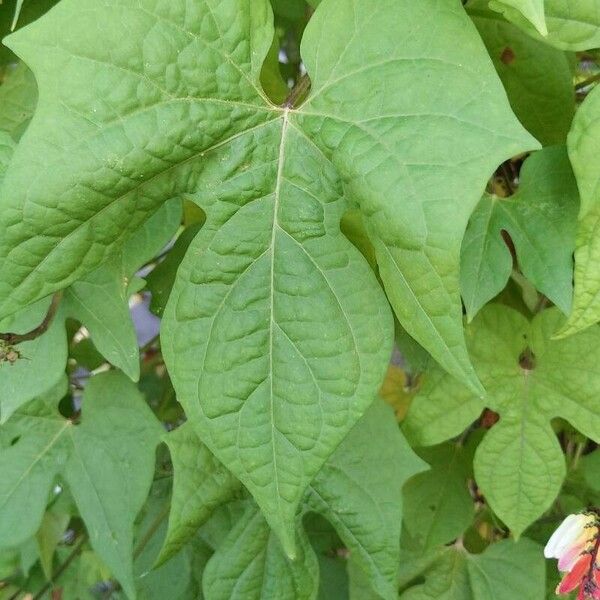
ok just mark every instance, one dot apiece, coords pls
pixel 584 147
pixel 276 335
pixel 531 379
pixel 107 461
pixel 541 219
pixel 504 571
pixel 358 490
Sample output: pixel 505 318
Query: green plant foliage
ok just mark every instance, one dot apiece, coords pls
pixel 247 255
pixel 251 564
pixel 570 25
pixel 532 379
pixel 537 78
pixel 438 506
pixel 541 220
pixel 201 485
pixel 531 10
pixel 358 490
pixel 107 462
pixel 18 99
pixel 161 279
pixel 503 572
pixel 41 365
pixel 583 152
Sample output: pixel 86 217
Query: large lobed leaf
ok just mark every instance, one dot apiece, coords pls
pixel 276 334
pixel 107 461
pixel 531 379
pixel 541 220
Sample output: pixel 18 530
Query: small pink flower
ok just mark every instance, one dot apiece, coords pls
pixel 576 543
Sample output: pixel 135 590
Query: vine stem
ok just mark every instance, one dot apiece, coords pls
pixel 162 515
pixel 583 84
pixel 298 92
pixel 17 338
pixel 65 565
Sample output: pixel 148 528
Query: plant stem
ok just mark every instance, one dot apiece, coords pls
pixel 151 531
pixel 577 455
pixel 298 93
pixel 76 549
pixel 541 304
pixel 583 84
pixel 17 338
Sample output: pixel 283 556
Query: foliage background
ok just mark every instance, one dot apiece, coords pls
pixel 107 490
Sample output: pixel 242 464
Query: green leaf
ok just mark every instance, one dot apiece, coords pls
pixel 155 234
pixel 161 279
pixel 7 148
pixel 250 564
pixel 289 9
pixel 42 363
pixel 571 25
pixel 505 571
pixel 48 537
pixel 30 11
pixel 276 335
pixel 18 8
pixel 359 491
pixel 201 484
pixel 590 467
pixel 541 221
pixel 173 579
pixel 417 230
pixel 18 99
pixel 100 300
pixel 537 78
pixel 85 571
pixel 531 10
pixel 359 586
pixel 271 78
pixel 584 152
pixel 107 462
pixel 353 227
pixel 438 506
pixel 519 466
pixel 331 554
